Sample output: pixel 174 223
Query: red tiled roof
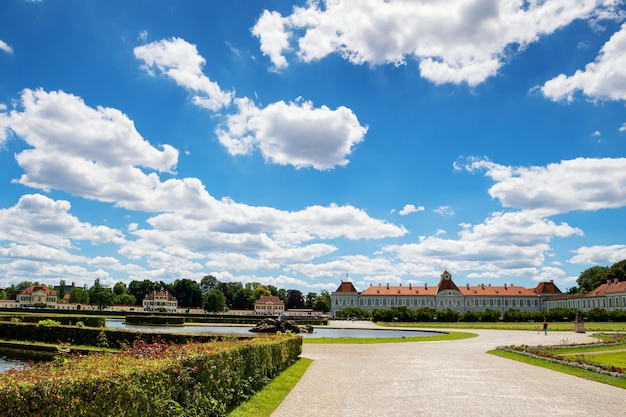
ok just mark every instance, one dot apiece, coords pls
pixel 547 288
pixel 154 294
pixel 608 288
pixel 400 290
pixel 471 290
pixel 346 286
pixel 267 299
pixel 34 288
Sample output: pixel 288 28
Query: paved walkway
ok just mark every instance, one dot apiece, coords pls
pixel 449 378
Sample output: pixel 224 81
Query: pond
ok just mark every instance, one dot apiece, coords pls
pixel 11 363
pixel 245 330
pixel 7 363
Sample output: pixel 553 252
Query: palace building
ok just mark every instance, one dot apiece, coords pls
pixel 444 295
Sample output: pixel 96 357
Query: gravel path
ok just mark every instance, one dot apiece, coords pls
pixel 449 378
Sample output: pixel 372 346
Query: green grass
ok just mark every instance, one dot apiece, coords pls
pixel 575 349
pixel 553 326
pixel 593 376
pixel 374 340
pixel 264 402
pixel 617 359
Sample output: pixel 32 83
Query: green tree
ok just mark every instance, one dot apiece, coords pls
pixel 100 295
pixel 119 288
pixel 229 289
pixel 62 290
pixel 187 292
pixel 310 299
pixel 295 299
pixel 618 270
pixel 278 292
pixel 208 283
pixel 214 301
pixel 322 302
pixel 79 295
pixel 242 298
pixel 258 292
pixel 142 288
pixel 592 277
pixel 448 316
pixel 125 299
pixel 3 295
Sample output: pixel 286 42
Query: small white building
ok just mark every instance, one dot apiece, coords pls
pixel 269 305
pixel 160 301
pixel 37 296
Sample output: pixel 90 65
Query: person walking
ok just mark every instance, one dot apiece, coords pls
pixel 545 327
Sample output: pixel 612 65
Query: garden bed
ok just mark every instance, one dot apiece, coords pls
pixel 581 356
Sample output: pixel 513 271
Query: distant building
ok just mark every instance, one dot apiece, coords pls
pixel 269 305
pixel 609 296
pixel 443 296
pixel 37 296
pixel 160 301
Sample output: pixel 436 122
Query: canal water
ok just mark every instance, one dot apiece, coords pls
pixel 245 330
pixel 11 363
pixel 7 363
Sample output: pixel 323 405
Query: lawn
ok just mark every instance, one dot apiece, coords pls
pixel 530 326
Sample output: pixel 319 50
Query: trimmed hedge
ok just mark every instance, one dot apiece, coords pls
pixel 116 338
pixel 187 380
pixel 90 321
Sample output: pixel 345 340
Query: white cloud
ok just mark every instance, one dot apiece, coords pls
pixel 504 245
pixel 459 41
pixel 143 36
pixel 5 47
pixel 599 255
pixel 270 29
pixel 444 211
pixel 622 128
pixel 577 184
pixel 603 79
pixel 180 61
pixel 295 133
pixel 410 208
pixel 37 219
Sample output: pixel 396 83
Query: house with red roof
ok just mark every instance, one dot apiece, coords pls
pixel 269 305
pixel 37 296
pixel 160 301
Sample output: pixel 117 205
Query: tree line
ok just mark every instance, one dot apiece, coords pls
pixel 209 293
pixel 593 277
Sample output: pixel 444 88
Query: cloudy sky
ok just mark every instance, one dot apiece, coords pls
pixel 259 140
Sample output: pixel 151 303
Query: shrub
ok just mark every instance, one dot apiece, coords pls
pixel 207 379
pixel 470 316
pixel 48 322
pixel 448 315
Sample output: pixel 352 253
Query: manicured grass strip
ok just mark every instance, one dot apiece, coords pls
pixel 617 359
pixel 553 326
pixel 264 402
pixel 573 350
pixel 374 340
pixel 593 376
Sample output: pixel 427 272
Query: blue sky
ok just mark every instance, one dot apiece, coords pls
pixel 292 144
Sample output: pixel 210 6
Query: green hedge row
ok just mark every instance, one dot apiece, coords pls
pixel 186 380
pixel 90 321
pixel 91 336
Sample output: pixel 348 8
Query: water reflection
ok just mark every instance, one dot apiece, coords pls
pixel 245 330
pixel 7 363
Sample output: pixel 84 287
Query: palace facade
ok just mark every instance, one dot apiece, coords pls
pixel 445 295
